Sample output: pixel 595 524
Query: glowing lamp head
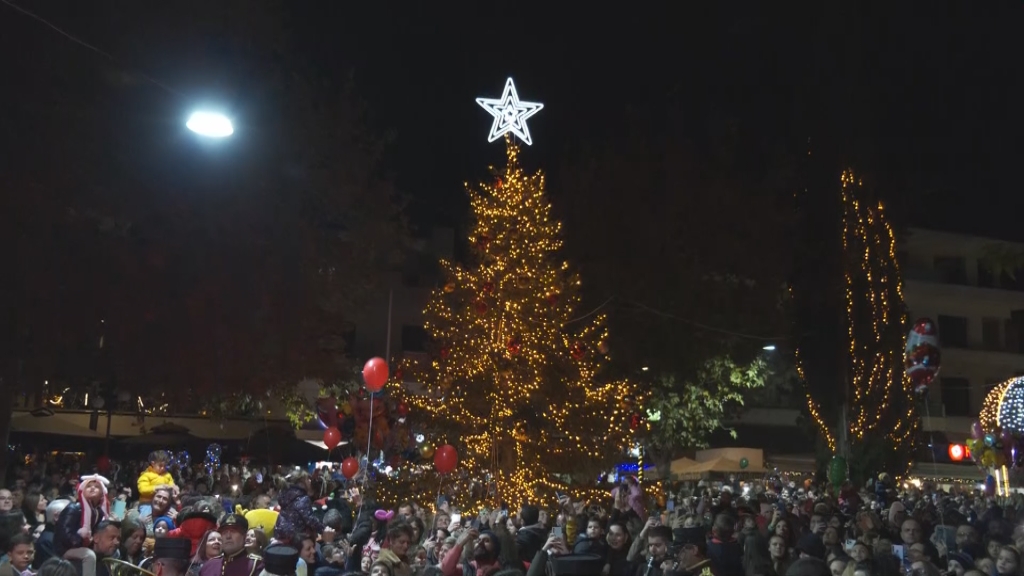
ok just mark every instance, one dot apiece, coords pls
pixel 957 452
pixel 210 125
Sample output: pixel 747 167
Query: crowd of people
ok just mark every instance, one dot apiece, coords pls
pixel 238 521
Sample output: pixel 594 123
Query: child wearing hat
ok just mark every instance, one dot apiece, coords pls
pixel 72 536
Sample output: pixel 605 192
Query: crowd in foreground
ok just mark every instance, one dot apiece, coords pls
pixel 241 522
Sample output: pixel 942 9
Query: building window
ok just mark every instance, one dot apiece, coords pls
pixel 951 269
pixel 991 336
pixel 1011 331
pixel 956 396
pixel 953 331
pixel 414 338
pixel 985 277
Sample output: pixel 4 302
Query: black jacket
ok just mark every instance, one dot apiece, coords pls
pixel 530 540
pixel 65 531
pixel 44 547
pixel 296 517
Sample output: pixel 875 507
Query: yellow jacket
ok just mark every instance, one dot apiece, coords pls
pixel 149 480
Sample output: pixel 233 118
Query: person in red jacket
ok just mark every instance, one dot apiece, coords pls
pixel 486 550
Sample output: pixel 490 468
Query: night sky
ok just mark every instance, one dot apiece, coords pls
pixel 925 98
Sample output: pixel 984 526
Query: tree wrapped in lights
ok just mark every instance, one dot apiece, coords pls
pixel 880 420
pixel 513 382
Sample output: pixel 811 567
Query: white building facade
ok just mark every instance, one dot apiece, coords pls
pixel 948 278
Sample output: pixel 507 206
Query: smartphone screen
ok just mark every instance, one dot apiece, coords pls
pixel 671 506
pixel 119 508
pixel 457 518
pixel 557 531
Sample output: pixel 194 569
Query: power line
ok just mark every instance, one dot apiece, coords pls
pixel 706 327
pixel 81 42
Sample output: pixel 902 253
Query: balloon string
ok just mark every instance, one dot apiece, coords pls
pixel 935 463
pixel 369 441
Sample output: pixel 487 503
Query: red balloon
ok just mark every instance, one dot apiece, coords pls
pixel 349 467
pixel 103 464
pixel 375 374
pixel 446 458
pixel 332 437
pixel 402 409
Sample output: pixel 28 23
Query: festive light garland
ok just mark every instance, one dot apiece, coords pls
pixel 989 416
pixel 513 382
pixel 1010 413
pixel 873 293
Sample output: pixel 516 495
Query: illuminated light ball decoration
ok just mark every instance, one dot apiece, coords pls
pixel 213 452
pixel 1011 408
pixel 989 416
pixel 957 452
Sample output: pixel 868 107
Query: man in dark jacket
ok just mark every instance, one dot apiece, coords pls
pixel 44 545
pixel 724 551
pixel 532 536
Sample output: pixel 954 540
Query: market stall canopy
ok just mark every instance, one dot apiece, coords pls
pixel 720 461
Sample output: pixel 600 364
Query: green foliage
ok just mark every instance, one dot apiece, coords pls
pixel 684 413
pixel 1001 259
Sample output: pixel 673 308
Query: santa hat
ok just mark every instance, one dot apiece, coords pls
pixel 87 508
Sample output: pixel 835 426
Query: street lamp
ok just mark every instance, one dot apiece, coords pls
pixel 210 124
pixel 768 347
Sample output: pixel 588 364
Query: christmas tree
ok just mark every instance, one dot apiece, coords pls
pixel 880 422
pixel 514 379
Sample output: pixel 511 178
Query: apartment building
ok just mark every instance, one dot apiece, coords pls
pixel 980 315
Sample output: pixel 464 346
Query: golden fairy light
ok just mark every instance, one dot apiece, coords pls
pixel 514 382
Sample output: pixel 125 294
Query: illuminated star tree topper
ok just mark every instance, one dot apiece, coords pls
pixel 510 114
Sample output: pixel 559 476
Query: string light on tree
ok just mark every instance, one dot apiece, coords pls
pixel 514 381
pixel 510 114
pixel 881 400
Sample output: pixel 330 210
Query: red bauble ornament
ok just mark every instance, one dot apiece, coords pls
pixel 446 458
pixel 634 421
pixel 552 298
pixel 375 374
pixel 602 347
pixel 402 409
pixel 349 467
pixel 578 351
pixel 103 464
pixel 445 352
pixel 481 306
pixel 332 437
pixel 513 346
pixel 488 287
pixel 399 374
pixel 499 184
pixel 483 240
